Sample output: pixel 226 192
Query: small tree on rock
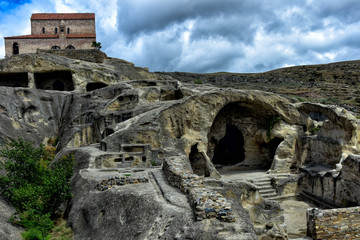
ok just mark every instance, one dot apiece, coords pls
pixel 96 45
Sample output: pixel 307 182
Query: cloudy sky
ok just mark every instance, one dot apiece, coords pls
pixel 209 35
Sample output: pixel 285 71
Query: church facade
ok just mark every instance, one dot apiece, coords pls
pixel 54 31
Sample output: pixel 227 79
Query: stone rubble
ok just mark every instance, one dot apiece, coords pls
pixel 207 204
pixel 340 223
pixel 119 181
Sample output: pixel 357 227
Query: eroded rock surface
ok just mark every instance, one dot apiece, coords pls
pixel 149 148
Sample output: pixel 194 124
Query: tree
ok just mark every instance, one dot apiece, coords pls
pixel 34 184
pixel 96 45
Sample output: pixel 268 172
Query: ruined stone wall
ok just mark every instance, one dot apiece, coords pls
pixel 341 190
pixel 31 45
pixel 207 204
pixel 89 55
pixel 341 223
pixel 77 26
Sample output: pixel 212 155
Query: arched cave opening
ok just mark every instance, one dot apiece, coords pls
pixel 55 80
pixel 230 149
pixel 237 139
pixel 198 162
pixel 95 85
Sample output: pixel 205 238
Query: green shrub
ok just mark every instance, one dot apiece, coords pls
pixel 271 123
pixel 154 163
pixel 96 44
pixel 35 185
pixel 198 81
pixel 32 234
pixel 300 99
pixel 314 130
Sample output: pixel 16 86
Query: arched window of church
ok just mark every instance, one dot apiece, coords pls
pixel 68 30
pixel 55 47
pixel 15 48
pixel 43 30
pixel 70 47
pixel 56 30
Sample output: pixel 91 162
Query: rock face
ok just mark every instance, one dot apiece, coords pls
pixel 8 231
pixel 121 135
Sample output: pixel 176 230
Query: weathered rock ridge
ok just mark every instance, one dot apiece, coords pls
pixel 149 148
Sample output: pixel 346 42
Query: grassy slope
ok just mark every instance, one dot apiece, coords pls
pixel 333 83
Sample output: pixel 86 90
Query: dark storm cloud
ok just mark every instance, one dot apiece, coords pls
pixel 233 35
pixel 136 17
pixel 347 11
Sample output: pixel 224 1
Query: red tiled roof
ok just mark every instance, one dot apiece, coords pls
pixel 80 35
pixel 33 36
pixel 52 36
pixel 62 16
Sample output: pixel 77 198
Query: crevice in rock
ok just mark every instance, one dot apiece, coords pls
pixel 94 86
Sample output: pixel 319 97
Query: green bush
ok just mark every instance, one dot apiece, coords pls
pixel 198 81
pixel 315 130
pixel 34 184
pixel 271 123
pixel 96 44
pixel 32 234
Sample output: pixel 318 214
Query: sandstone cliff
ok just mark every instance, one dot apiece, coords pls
pixel 150 148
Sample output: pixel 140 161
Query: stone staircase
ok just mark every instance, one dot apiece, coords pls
pixel 266 190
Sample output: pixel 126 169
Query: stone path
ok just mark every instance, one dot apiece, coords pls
pixel 295 218
pixel 295 211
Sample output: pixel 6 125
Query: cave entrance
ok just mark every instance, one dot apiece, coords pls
pixel 198 162
pixel 273 145
pixel 237 140
pixel 55 80
pixel 230 149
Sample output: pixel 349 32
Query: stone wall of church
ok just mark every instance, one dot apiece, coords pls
pixel 31 45
pixel 86 26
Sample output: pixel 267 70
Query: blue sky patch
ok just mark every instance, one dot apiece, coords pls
pixel 8 5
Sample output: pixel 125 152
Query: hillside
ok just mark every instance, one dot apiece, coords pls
pixel 333 83
pixel 160 158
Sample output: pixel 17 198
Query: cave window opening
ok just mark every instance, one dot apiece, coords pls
pixel 230 149
pixel 94 86
pixel 55 80
pixel 14 79
pixel 198 162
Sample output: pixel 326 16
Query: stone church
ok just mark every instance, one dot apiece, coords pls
pixel 54 31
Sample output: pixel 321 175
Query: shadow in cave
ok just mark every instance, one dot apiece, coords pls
pixel 198 162
pixel 230 149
